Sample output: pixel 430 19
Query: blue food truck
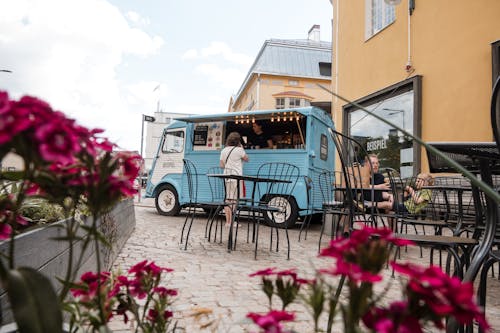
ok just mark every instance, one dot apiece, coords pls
pixel 299 136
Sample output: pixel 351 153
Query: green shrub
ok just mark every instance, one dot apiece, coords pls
pixel 40 211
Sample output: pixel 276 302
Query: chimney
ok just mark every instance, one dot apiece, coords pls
pixel 314 33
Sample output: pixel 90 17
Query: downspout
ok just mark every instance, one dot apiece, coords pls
pixel 336 55
pixel 258 92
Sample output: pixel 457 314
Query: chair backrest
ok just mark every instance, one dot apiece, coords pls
pixel 277 170
pixel 357 171
pixel 218 185
pixel 328 182
pixel 495 112
pixel 192 180
pixel 309 188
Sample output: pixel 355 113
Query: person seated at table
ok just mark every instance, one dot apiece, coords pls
pixel 231 158
pixel 382 199
pixel 416 198
pixel 260 139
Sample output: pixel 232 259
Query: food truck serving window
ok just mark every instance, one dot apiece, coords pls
pixel 174 142
pixel 286 132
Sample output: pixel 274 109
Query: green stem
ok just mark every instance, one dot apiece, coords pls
pixel 333 304
pixel 70 234
pixel 98 264
pixel 490 192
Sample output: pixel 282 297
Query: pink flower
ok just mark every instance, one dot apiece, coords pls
pixel 164 292
pixel 264 272
pixel 353 271
pixel 270 321
pixel 5 231
pixel 57 141
pixel 395 319
pixel 444 295
pixel 152 315
pixel 12 120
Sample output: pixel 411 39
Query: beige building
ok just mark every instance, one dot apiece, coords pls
pixel 425 65
pixel 285 74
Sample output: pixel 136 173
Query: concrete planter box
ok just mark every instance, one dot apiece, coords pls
pixel 37 248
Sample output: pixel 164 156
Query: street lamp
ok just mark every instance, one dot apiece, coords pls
pixel 151 120
pixel 396 111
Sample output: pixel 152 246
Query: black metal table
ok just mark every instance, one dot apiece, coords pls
pixel 239 178
pixel 483 159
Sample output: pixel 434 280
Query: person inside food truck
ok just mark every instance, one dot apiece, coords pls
pixel 260 138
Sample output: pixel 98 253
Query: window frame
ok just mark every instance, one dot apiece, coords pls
pixel 413 83
pixel 386 18
pixel 163 148
pixel 280 106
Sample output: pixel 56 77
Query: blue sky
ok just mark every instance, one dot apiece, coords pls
pixel 99 61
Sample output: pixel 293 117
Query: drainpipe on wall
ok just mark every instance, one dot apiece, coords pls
pixel 257 107
pixel 335 28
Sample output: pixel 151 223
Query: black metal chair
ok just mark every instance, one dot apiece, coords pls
pixel 494 254
pixel 333 204
pixel 312 210
pixel 309 184
pixel 357 172
pixel 192 181
pixel 273 199
pixel 218 191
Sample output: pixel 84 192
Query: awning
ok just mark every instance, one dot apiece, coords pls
pixel 244 115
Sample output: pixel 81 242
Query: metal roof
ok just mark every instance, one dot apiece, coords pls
pixel 295 57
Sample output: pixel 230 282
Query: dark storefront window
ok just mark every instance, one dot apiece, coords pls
pixel 399 104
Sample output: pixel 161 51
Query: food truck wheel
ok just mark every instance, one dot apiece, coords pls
pixel 166 201
pixel 285 219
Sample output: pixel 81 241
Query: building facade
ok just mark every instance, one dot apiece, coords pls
pixel 426 66
pixel 286 74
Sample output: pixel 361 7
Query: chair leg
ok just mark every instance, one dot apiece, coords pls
pixel 481 291
pixel 189 228
pixel 321 231
pixel 287 243
pixel 307 221
pixel 256 238
pixel 185 223
pixel 209 219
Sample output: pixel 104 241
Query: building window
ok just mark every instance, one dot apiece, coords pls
pixel 294 102
pixel 399 104
pixel 378 15
pixel 280 103
pixel 293 82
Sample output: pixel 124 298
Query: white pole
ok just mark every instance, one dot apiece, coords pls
pixel 142 160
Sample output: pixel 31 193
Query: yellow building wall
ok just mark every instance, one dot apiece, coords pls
pixel 274 84
pixel 450 49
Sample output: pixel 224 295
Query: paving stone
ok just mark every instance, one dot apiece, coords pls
pixel 207 276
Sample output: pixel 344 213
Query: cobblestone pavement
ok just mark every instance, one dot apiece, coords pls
pixel 208 277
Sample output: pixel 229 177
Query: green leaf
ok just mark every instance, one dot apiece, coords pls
pixel 13 175
pixel 33 301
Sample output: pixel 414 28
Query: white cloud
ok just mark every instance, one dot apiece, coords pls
pixel 219 48
pixel 228 77
pixel 69 57
pixel 190 54
pixel 136 18
pixel 216 49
